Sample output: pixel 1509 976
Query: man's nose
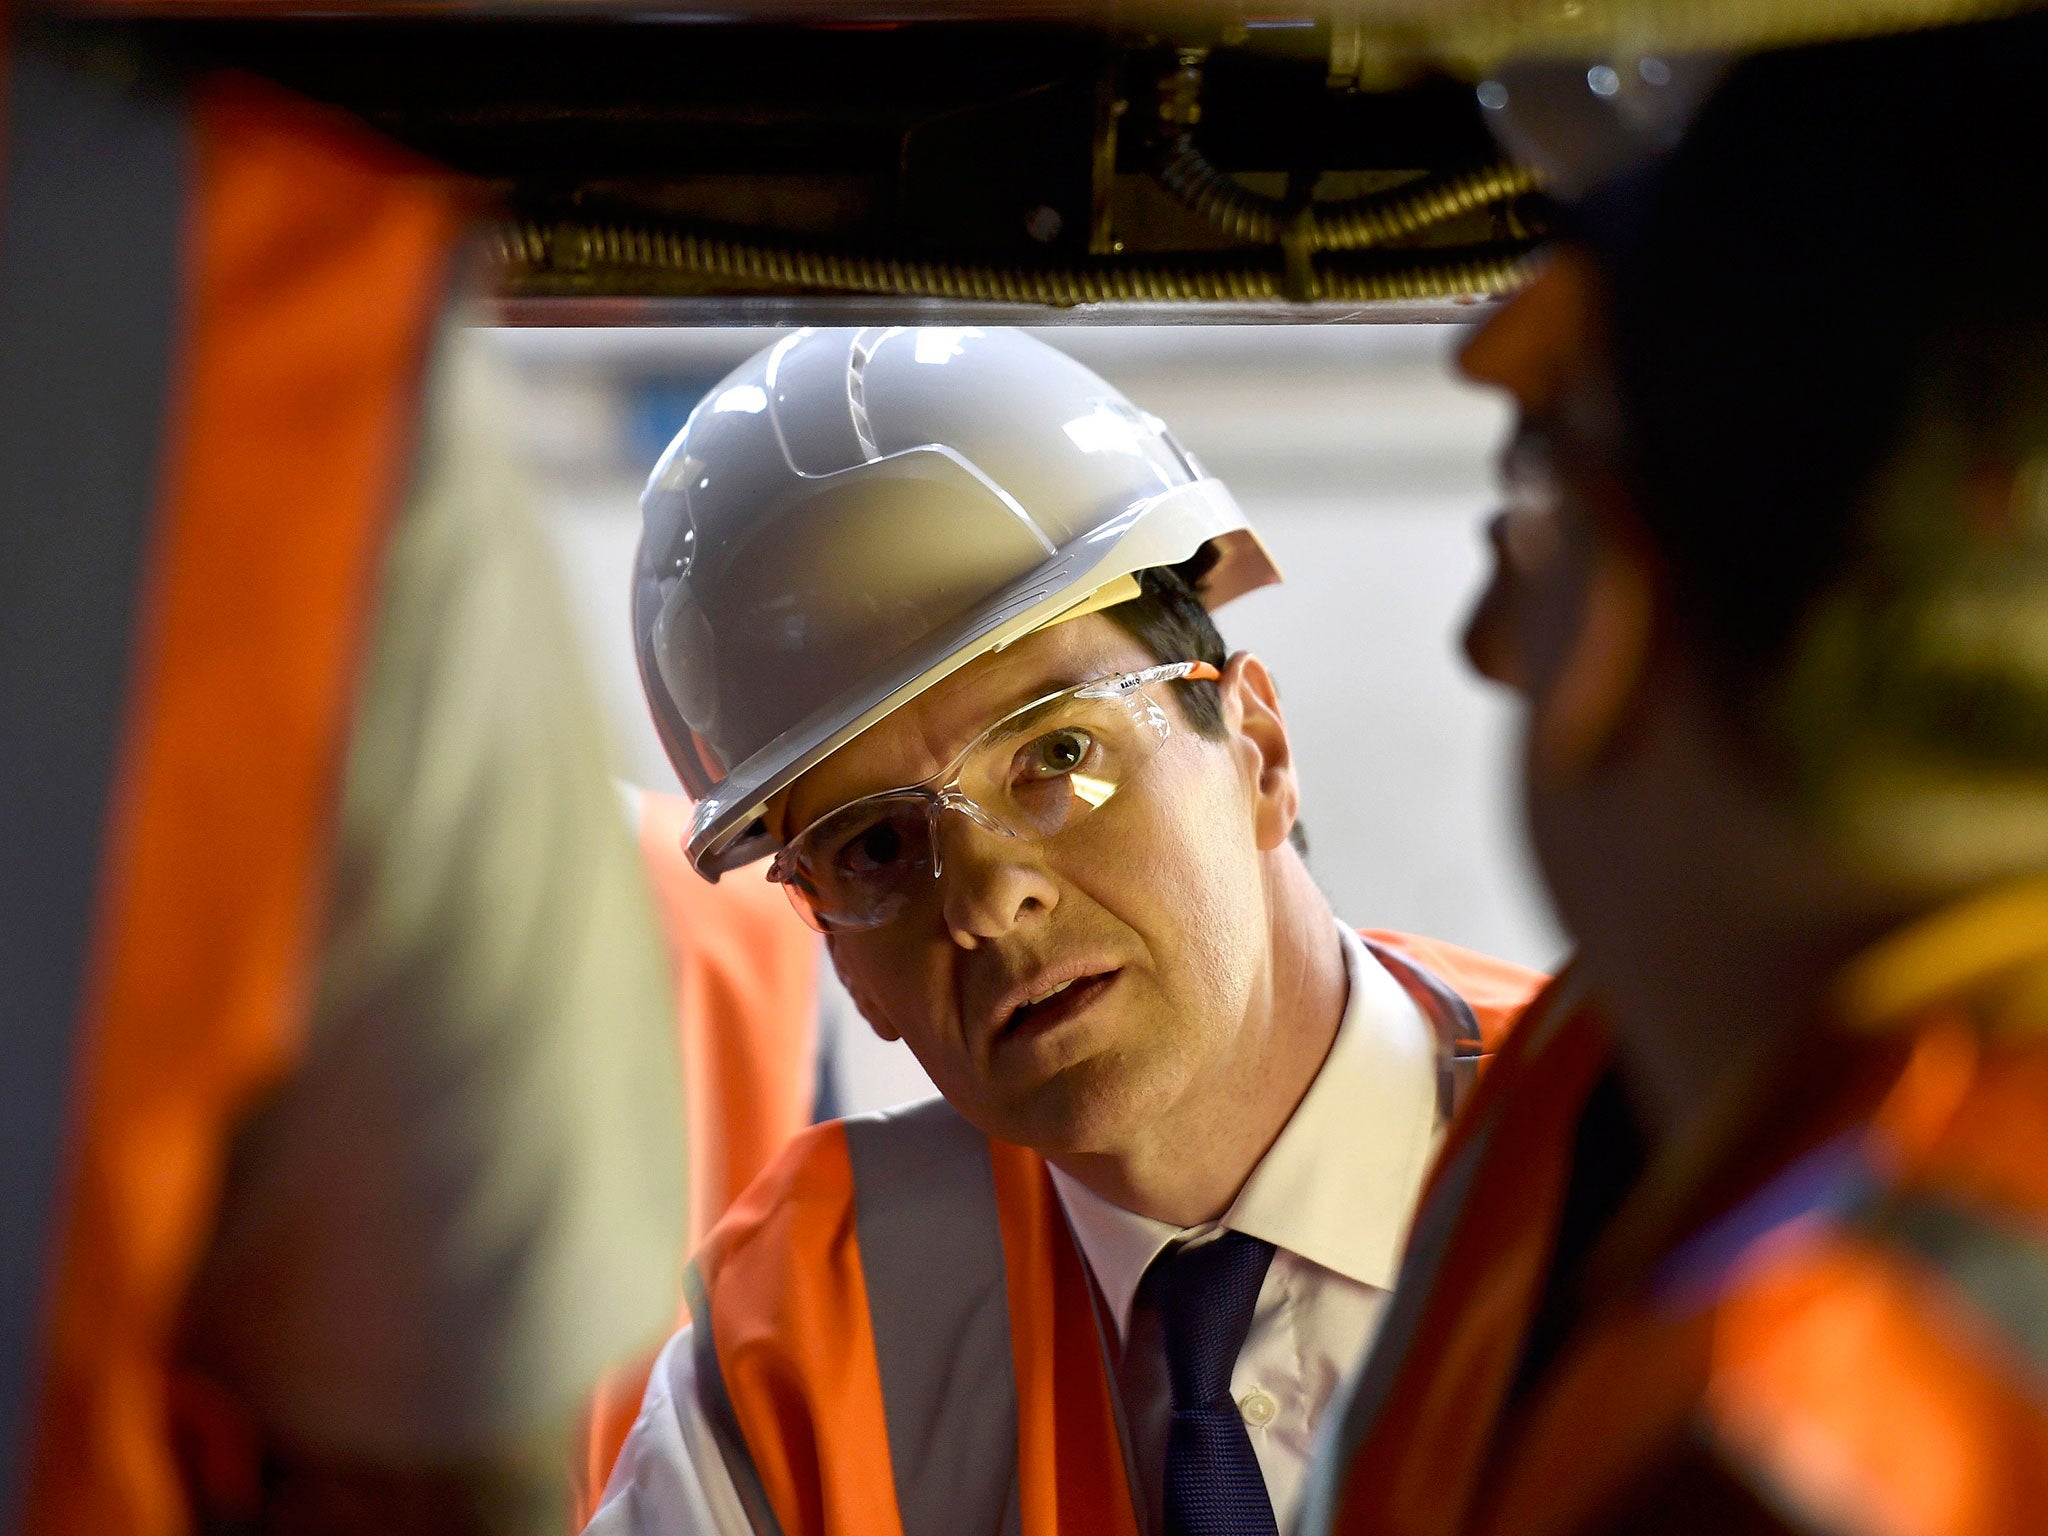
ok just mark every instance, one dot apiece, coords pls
pixel 1522 346
pixel 991 882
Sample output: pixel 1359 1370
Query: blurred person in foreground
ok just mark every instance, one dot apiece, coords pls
pixel 1756 1239
pixel 340 1107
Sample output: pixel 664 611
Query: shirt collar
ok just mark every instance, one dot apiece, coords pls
pixel 1339 1185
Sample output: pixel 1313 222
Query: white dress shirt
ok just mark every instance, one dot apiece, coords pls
pixel 1333 1195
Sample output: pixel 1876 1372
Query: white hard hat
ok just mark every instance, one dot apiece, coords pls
pixel 853 515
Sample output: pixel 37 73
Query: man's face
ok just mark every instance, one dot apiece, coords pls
pixel 1542 349
pixel 1152 907
pixel 1570 617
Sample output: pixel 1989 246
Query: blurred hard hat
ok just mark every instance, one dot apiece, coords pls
pixel 853 515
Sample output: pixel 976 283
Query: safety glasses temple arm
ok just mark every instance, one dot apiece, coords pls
pixel 1170 672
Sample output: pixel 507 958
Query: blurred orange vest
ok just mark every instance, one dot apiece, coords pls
pixel 745 970
pixel 1856 1342
pixel 894 1330
pixel 215 308
pixel 746 988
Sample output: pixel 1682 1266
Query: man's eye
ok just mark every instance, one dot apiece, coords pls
pixel 1054 754
pixel 877 847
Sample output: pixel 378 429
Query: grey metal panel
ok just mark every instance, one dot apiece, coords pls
pixel 931 1248
pixel 716 1402
pixel 94 188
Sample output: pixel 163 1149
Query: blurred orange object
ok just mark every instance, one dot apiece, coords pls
pixel 309 269
pixel 746 978
pixel 1824 1328
pixel 746 990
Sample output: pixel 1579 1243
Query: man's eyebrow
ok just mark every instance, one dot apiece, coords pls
pixel 1055 680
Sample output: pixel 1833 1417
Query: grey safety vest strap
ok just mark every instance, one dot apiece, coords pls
pixel 716 1405
pixel 931 1252
pixel 1459 1046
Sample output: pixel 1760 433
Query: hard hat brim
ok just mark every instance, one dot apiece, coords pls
pixel 728 830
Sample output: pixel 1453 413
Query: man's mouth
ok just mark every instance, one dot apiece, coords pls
pixel 1055 1005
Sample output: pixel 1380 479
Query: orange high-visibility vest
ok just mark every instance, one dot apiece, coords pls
pixel 1857 1344
pixel 894 1330
pixel 745 970
pixel 215 307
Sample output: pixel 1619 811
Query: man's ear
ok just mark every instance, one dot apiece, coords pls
pixel 1251 712
pixel 1581 715
pixel 877 1020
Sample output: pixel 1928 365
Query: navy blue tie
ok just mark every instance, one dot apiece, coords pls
pixel 1205 1295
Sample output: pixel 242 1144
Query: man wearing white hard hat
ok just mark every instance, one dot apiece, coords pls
pixel 924 617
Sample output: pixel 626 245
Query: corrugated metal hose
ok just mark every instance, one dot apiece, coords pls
pixel 1352 224
pixel 569 257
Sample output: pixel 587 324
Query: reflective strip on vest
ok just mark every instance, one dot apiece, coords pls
pixel 941 1317
pixel 931 1255
pixel 895 1332
pixel 719 1412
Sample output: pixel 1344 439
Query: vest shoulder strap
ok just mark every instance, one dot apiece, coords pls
pixel 931 1245
pixel 1470 1000
pixel 1496 991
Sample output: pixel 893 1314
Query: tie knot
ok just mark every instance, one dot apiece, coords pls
pixel 1205 1294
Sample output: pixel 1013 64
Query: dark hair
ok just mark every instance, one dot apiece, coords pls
pixel 1169 618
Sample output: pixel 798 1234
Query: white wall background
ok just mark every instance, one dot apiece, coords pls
pixel 1363 461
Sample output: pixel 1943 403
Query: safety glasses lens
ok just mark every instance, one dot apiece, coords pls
pixel 1040 771
pixel 1030 776
pixel 856 868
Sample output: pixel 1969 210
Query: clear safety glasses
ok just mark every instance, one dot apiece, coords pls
pixel 1031 775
